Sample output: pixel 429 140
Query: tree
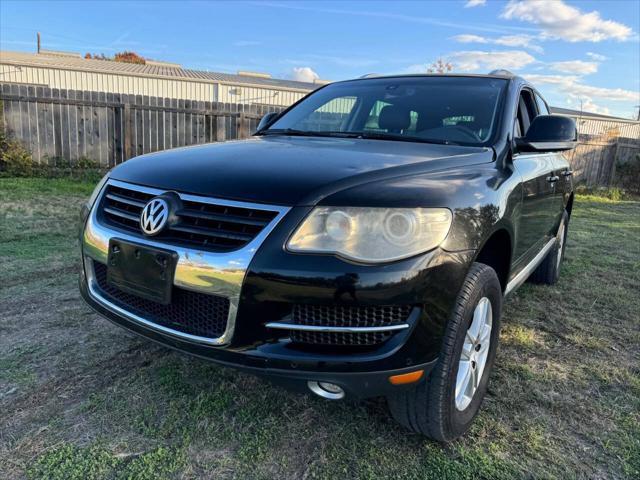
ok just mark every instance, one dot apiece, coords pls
pixel 125 57
pixel 129 57
pixel 440 66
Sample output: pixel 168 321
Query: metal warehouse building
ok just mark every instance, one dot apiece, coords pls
pixel 68 71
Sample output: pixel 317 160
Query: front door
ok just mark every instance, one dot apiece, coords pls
pixel 539 197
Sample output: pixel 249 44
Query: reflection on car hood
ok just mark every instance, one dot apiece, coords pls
pixel 284 170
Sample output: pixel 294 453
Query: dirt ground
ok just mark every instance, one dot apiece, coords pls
pixel 81 398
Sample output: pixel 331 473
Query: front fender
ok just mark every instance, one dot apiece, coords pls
pixel 483 199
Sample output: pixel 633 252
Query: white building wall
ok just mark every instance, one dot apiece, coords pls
pixel 109 82
pixel 121 83
pixel 258 95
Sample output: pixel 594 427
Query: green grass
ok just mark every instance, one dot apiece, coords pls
pixel 81 398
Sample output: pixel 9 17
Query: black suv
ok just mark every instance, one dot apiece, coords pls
pixel 359 244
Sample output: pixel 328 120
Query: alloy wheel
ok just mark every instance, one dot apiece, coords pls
pixel 560 245
pixel 475 351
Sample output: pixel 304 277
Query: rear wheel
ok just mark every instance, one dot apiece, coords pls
pixel 548 272
pixel 444 405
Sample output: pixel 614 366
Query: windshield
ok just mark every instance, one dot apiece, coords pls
pixel 448 110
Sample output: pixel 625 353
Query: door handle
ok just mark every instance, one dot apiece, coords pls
pixel 567 173
pixel 553 179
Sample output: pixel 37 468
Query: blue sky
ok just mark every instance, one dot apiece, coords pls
pixel 576 52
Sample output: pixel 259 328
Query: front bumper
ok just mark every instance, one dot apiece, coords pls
pixel 287 373
pixel 264 281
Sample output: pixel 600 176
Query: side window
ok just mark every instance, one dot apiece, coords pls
pixel 542 107
pixel 329 117
pixel 527 111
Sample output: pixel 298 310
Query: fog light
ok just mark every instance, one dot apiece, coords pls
pixel 326 390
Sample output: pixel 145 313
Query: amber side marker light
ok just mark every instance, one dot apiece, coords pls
pixel 405 378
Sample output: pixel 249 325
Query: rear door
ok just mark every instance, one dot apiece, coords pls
pixel 539 199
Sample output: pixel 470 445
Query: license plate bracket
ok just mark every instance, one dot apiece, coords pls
pixel 140 270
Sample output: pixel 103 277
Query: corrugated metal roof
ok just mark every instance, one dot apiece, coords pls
pixel 156 71
pixel 590 115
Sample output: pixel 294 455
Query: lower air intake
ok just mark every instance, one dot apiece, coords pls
pixel 189 312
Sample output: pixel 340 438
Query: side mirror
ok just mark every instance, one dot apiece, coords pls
pixel 266 120
pixel 549 133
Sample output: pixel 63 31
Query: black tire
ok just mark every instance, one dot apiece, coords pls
pixel 429 408
pixel 548 272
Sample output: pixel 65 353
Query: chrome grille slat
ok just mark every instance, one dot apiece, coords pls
pixel 219 233
pixel 335 325
pixel 221 218
pixel 128 201
pixel 120 213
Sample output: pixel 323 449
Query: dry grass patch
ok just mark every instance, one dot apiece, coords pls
pixel 81 398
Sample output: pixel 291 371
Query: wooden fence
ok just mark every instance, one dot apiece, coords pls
pixel 69 126
pixel 603 144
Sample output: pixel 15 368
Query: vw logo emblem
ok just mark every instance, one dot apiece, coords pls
pixel 154 216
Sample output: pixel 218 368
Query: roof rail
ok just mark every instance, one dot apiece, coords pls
pixel 370 75
pixel 503 72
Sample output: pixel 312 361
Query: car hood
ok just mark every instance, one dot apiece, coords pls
pixel 287 170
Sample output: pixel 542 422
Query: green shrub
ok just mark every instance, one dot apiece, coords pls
pixel 15 160
pixel 615 194
pixel 628 175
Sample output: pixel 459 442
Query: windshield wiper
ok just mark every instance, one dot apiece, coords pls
pixel 364 135
pixel 401 138
pixel 306 133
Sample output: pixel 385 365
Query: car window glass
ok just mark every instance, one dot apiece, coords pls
pixel 441 109
pixel 542 107
pixel 372 124
pixel 374 116
pixel 330 116
pixel 527 111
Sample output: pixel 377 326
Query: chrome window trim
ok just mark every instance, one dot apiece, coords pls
pixel 214 273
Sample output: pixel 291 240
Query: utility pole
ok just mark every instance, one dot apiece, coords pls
pixel 38 42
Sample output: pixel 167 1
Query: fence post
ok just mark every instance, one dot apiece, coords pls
pixel 612 173
pixel 220 129
pixel 126 125
pixel 242 126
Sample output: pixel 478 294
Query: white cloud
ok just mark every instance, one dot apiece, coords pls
pixel 517 41
pixel 587 105
pixel 475 3
pixel 578 94
pixel 577 67
pixel 304 74
pixel 524 41
pixel 561 21
pixel 596 56
pixel 467 38
pixel 474 60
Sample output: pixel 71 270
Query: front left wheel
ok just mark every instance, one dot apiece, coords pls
pixel 444 405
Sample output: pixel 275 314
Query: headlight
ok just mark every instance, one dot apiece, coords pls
pixel 371 235
pixel 86 207
pixel 97 190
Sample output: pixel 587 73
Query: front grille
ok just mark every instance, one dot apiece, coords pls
pixel 346 316
pixel 189 312
pixel 204 225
